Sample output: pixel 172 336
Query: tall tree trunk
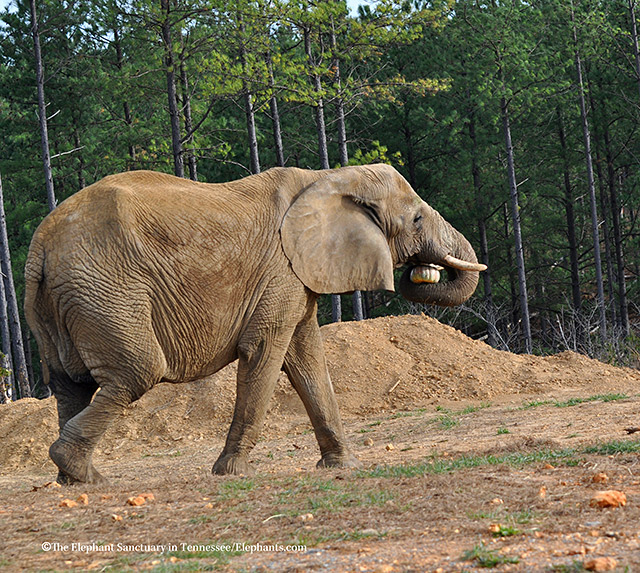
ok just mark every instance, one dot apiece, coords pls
pixel 172 96
pixel 125 104
pixel 275 116
pixel 254 157
pixel 6 363
pixel 356 300
pixel 513 288
pixel 492 333
pixel 19 362
pixel 604 207
pixel 323 150
pixel 617 236
pixel 591 184
pixel 634 39
pixel 188 123
pixel 517 230
pixel 42 109
pixel 576 295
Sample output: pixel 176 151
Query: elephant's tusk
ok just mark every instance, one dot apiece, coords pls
pixel 464 265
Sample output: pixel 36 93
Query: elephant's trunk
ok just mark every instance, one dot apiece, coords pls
pixel 462 268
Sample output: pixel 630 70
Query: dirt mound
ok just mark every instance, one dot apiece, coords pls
pixel 392 363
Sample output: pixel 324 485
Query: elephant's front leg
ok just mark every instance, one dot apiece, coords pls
pixel 260 355
pixel 306 368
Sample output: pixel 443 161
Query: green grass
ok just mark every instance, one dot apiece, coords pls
pixel 439 466
pixel 574 401
pixel 596 398
pixel 535 404
pixel 236 489
pixel 615 447
pixel 503 430
pixel 484 557
pixel 447 422
pixel 506 531
pixel 435 465
pixel 472 409
pixel 337 500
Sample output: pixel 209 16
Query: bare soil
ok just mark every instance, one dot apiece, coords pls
pixel 471 458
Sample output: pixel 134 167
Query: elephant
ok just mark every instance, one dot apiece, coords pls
pixel 144 277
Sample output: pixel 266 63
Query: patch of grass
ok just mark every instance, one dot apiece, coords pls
pixel 447 422
pixel 614 447
pixel 372 424
pixel 535 404
pixel 506 531
pixel 416 412
pixel 503 430
pixel 435 465
pixel 439 466
pixel 574 401
pixel 236 489
pixel 472 409
pixel 338 500
pixel 200 519
pixel 523 517
pixel 487 558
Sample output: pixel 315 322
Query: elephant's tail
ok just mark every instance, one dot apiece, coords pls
pixel 38 309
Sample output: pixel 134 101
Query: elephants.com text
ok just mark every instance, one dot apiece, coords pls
pixel 156 548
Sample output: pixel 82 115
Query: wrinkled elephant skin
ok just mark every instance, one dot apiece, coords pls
pixel 144 278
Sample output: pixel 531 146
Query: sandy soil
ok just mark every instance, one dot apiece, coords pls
pixel 471 457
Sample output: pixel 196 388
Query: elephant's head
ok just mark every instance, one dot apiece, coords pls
pixel 349 229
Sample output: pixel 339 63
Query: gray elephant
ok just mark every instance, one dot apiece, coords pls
pixel 144 278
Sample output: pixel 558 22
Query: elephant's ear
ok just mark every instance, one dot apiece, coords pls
pixel 331 238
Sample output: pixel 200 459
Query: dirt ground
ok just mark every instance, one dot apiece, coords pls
pixel 471 458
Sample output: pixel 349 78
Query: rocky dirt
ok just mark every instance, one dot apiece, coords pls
pixel 471 458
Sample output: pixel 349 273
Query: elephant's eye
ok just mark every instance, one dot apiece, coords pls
pixel 417 219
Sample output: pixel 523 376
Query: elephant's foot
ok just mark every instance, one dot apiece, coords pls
pixel 344 460
pixel 232 464
pixel 75 465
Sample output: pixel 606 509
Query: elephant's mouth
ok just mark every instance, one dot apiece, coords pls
pixel 425 274
pixel 430 273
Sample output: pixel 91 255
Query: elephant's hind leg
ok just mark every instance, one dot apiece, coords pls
pixel 124 366
pixel 71 397
pixel 73 451
pixel 306 368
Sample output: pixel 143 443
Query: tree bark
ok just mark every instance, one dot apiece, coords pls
pixel 321 131
pixel 42 110
pixel 634 39
pixel 17 348
pixel 343 150
pixel 576 295
pixel 492 333
pixel 9 381
pixel 254 157
pixel 125 104
pixel 275 116
pixel 517 231
pixel 591 185
pixel 188 123
pixel 617 236
pixel 174 112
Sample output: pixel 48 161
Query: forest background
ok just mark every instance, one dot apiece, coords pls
pixel 517 120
